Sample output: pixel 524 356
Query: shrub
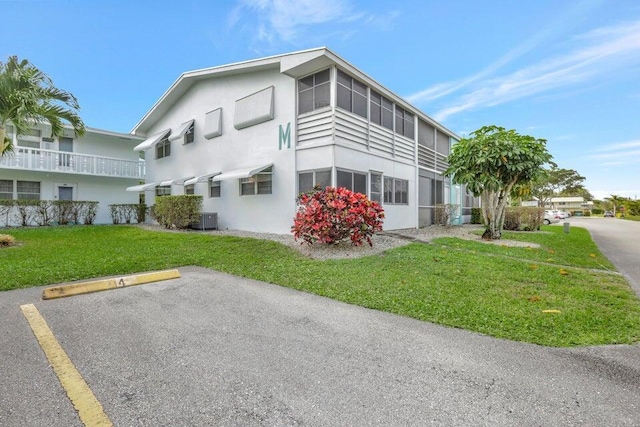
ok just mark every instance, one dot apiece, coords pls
pixel 89 212
pixel 63 211
pixel 523 218
pixel 177 211
pixel 476 215
pixel 141 212
pixel 336 214
pixel 444 213
pixel 6 240
pixel 6 206
pixel 597 211
pixel 43 212
pixel 25 210
pixel 126 212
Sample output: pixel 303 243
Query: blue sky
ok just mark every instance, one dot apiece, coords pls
pixel 565 71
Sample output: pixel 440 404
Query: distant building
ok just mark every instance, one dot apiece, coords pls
pixel 564 204
pixel 95 167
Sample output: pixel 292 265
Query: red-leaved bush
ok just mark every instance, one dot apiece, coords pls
pixel 332 215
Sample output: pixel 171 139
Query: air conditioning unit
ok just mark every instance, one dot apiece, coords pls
pixel 208 221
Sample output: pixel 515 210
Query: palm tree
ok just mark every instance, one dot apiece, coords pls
pixel 28 97
pixel 615 200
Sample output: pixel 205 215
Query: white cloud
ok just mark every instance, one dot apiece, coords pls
pixel 597 54
pixel 290 20
pixel 620 146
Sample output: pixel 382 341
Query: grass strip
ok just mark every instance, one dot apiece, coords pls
pixel 497 296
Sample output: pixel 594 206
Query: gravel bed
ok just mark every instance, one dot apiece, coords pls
pixel 381 242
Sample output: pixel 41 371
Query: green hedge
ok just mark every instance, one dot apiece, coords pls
pixel 523 218
pixel 125 213
pixel 476 215
pixel 48 212
pixel 177 211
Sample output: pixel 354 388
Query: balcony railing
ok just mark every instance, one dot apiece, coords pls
pixel 37 159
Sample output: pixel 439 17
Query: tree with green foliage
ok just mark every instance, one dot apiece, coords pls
pixel 28 97
pixel 616 201
pixel 557 181
pixel 491 163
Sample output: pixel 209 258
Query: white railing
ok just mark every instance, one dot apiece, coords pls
pixel 59 161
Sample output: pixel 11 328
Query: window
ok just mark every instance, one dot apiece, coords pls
pixel 354 181
pixel 314 92
pixel 308 180
pixel 404 123
pixel 381 110
pixel 214 188
pixel 190 189
pixel 9 130
pixel 31 139
pixel 6 189
pixel 163 148
pixel 259 183
pixel 163 190
pixel 375 193
pixel 189 136
pixel 396 191
pixel 28 190
pixel 352 95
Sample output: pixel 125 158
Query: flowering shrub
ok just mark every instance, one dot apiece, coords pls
pixel 335 214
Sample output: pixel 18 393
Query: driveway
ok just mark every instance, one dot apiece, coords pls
pixel 619 240
pixel 213 349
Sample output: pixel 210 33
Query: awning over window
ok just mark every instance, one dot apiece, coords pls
pixel 151 141
pixel 241 173
pixel 181 131
pixel 201 178
pixel 143 187
pixel 179 181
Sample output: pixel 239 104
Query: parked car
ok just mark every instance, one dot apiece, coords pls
pixel 608 214
pixel 563 215
pixel 550 218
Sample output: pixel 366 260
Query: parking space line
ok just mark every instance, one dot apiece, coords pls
pixel 89 408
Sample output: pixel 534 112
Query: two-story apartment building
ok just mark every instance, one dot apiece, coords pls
pixel 96 167
pixel 251 136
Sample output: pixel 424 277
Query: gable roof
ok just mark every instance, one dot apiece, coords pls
pixel 294 64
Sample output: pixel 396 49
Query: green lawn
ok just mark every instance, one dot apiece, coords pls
pixel 495 290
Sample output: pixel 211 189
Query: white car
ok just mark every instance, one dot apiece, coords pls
pixel 551 217
pixel 563 215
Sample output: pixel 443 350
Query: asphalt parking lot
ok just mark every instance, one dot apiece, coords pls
pixel 213 349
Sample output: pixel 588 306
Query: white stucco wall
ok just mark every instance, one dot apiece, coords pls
pixel 86 188
pixel 234 149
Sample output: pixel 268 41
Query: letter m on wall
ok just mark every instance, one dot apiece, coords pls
pixel 285 137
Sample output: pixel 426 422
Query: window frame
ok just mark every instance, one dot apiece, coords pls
pixel 354 94
pixel 163 190
pixel 215 184
pixel 11 189
pixel 163 147
pixel 189 136
pixel 314 179
pixel 390 189
pixel 20 194
pixel 313 88
pixel 260 177
pixel 353 181
pixel 379 193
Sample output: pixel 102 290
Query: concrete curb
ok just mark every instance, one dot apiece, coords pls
pixel 106 284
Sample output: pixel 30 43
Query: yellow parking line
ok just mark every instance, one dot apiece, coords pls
pixel 89 409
